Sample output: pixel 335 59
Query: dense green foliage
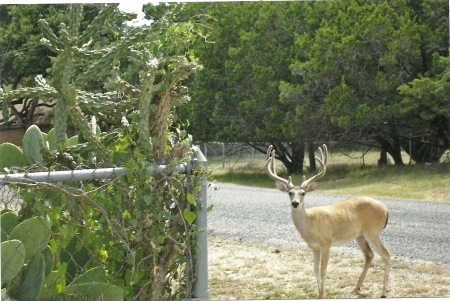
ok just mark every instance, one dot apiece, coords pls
pixel 133 232
pixel 294 72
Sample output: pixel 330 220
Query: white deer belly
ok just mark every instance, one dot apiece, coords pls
pixel 337 238
pixel 343 238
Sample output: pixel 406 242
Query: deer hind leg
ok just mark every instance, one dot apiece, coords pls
pixel 386 256
pixel 368 255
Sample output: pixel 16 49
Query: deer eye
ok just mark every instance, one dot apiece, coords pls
pixel 303 193
pixel 291 193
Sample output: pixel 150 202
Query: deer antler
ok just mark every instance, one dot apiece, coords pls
pixel 270 168
pixel 323 160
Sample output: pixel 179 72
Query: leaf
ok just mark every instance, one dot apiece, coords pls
pixel 96 274
pixel 189 216
pixel 147 199
pixel 94 291
pixel 191 199
pixel 153 108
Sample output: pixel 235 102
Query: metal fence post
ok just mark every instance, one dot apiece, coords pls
pixel 200 289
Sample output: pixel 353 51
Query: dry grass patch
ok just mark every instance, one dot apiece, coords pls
pixel 239 270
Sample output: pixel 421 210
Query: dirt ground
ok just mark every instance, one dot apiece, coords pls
pixel 239 270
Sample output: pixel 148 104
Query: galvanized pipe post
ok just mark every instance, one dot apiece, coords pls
pixel 200 290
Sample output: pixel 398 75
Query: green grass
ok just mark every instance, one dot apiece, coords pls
pixel 426 182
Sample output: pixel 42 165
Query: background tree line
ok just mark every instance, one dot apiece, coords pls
pixel 290 73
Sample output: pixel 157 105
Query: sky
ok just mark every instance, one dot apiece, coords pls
pixel 130 6
pixel 135 6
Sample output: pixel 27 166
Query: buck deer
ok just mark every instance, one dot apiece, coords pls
pixel 359 218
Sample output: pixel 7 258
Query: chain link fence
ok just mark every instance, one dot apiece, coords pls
pixel 101 234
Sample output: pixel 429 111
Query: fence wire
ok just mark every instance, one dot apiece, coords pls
pixel 78 235
pixel 226 156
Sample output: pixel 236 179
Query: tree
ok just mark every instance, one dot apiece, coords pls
pixel 298 72
pixel 250 51
pixel 360 55
pixel 426 101
pixel 22 55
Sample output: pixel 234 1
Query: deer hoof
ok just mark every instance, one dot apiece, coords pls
pixel 383 296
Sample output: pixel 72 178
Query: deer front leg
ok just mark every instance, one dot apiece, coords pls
pixel 317 270
pixel 324 256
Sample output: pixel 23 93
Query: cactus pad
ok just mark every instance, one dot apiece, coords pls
pixel 34 233
pixel 32 143
pixel 11 155
pixel 13 258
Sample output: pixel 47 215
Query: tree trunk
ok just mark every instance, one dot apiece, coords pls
pixel 383 158
pixel 292 156
pixel 312 157
pixel 391 147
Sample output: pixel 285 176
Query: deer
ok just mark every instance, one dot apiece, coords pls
pixel 359 218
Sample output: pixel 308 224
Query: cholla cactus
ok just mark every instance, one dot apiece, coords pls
pixel 158 92
pixel 160 86
pixel 70 46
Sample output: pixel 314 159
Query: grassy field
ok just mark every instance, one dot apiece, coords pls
pixel 346 174
pixel 238 270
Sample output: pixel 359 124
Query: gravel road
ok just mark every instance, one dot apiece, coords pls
pixel 417 230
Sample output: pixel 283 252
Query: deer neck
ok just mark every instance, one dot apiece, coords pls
pixel 301 219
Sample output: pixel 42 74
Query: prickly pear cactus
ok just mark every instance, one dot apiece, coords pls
pixel 8 221
pixel 13 259
pixel 27 262
pixel 32 143
pixel 155 96
pixel 51 139
pixel 32 280
pixel 11 155
pixel 34 233
pixel 24 255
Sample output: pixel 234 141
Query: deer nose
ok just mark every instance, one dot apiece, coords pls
pixel 295 204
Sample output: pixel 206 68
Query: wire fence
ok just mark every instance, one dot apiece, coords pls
pixel 84 235
pixel 225 156
pixel 243 156
pixel 230 155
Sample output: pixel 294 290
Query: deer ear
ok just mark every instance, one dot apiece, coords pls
pixel 282 186
pixel 312 186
